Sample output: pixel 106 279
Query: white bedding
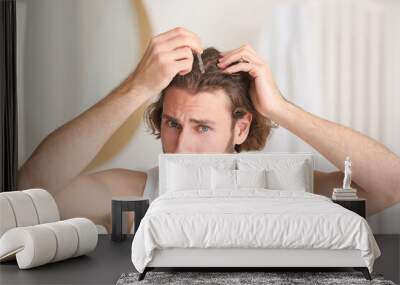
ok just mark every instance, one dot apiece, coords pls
pixel 251 218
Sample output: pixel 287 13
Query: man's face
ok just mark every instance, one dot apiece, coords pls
pixel 197 123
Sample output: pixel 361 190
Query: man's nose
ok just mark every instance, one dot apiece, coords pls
pixel 185 141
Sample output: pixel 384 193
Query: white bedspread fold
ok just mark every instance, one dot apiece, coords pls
pixel 251 218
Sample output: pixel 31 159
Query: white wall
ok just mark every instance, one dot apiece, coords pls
pixel 337 59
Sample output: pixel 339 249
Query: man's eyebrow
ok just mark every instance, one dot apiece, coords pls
pixel 168 117
pixel 202 122
pixel 197 121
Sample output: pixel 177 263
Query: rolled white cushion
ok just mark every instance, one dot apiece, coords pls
pixel 45 205
pixel 7 218
pixel 23 208
pixel 67 239
pixel 101 230
pixel 87 234
pixel 33 245
pixel 40 244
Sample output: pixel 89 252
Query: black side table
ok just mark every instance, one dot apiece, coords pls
pixel 122 204
pixel 357 206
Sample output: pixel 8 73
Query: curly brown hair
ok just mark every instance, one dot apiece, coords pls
pixel 236 86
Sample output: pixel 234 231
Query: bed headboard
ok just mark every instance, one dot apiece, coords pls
pixel 275 160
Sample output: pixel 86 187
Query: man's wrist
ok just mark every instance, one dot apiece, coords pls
pixel 279 111
pixel 140 91
pixel 285 114
pixel 294 118
pixel 132 87
pixel 129 98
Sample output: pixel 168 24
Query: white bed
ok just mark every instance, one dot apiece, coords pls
pixel 216 224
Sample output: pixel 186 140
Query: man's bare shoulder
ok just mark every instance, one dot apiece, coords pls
pixel 122 181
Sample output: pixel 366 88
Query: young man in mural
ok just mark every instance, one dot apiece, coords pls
pixel 228 109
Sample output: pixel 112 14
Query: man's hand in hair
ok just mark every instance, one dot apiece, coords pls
pixel 167 54
pixel 376 170
pixel 264 92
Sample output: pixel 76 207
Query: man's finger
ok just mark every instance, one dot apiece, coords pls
pixel 182 41
pixel 183 66
pixel 180 54
pixel 168 34
pixel 229 52
pixel 251 68
pixel 249 48
pixel 173 33
pixel 245 55
pixel 242 48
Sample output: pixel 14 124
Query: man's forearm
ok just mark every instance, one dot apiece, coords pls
pixel 69 149
pixel 65 152
pixel 375 168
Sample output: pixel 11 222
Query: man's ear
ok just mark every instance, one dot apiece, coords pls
pixel 242 128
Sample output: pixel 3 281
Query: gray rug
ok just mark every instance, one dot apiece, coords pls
pixel 228 278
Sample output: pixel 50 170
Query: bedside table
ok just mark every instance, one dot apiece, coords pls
pixel 358 206
pixel 119 205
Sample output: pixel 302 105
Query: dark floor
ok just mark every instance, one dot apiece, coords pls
pixel 389 262
pixel 110 260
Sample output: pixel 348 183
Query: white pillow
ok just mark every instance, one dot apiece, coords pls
pixel 236 179
pixel 223 179
pixel 185 177
pixel 251 178
pixel 293 178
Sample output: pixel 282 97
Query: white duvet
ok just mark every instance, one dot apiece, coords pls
pixel 251 218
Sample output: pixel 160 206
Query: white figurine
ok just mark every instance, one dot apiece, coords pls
pixel 347 174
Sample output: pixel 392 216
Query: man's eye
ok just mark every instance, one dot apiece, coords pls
pixel 172 124
pixel 204 129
